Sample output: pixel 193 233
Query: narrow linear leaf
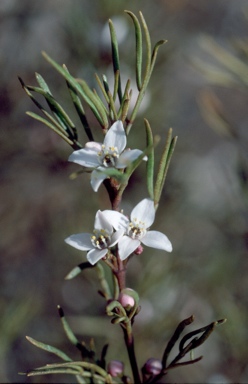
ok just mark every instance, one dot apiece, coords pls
pixel 50 125
pixel 116 84
pixel 53 120
pixel 103 281
pixel 103 86
pixel 42 83
pixel 181 326
pixel 155 53
pixel 49 348
pixel 115 56
pixel 124 98
pixel 79 108
pixel 171 151
pixel 162 168
pixel 77 87
pixel 193 361
pixel 71 336
pixel 78 269
pixel 138 35
pixel 112 109
pixel 58 111
pixel 148 46
pixel 95 105
pixel 83 365
pixel 52 371
pixel 150 161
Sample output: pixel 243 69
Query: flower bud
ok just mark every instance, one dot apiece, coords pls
pixel 152 367
pixel 139 250
pixel 126 300
pixel 115 368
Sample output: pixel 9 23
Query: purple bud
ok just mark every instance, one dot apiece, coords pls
pixel 139 250
pixel 115 368
pixel 125 299
pixel 152 366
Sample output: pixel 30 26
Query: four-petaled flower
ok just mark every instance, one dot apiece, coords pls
pixel 99 242
pixel 110 154
pixel 137 229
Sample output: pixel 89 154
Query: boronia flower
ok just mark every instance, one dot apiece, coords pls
pixel 109 154
pixel 99 242
pixel 137 229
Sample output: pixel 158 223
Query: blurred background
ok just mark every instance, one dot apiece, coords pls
pixel 199 87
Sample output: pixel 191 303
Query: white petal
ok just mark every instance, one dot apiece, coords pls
pixel 126 246
pixel 80 241
pixel 127 157
pixel 101 222
pixel 117 219
pixel 116 237
pixel 97 178
pixel 95 255
pixel 116 137
pixel 86 157
pixel 144 211
pixel 94 145
pixel 155 239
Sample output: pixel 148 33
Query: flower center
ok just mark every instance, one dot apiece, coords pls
pixel 100 239
pixel 136 229
pixel 109 156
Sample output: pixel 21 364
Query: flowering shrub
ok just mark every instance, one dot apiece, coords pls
pixel 116 237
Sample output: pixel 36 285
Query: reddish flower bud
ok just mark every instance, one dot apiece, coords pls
pixel 125 299
pixel 152 366
pixel 115 368
pixel 139 250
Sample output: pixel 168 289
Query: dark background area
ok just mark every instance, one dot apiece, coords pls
pixel 195 89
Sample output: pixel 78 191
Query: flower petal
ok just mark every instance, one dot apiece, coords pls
pixel 117 219
pixel 116 237
pixel 155 239
pixel 97 177
pixel 127 157
pixel 101 222
pixel 116 137
pixel 80 241
pixel 95 255
pixel 93 145
pixel 144 211
pixel 86 157
pixel 126 246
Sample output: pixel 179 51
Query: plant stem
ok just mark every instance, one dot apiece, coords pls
pixel 129 341
pixel 120 273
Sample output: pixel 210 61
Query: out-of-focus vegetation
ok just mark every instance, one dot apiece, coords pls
pixel 203 209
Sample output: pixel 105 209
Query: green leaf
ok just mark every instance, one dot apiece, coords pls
pixel 49 348
pixel 150 161
pixel 42 83
pixel 148 46
pixel 58 111
pixel 83 90
pixel 138 35
pixel 115 57
pixel 155 53
pixel 50 125
pixel 78 269
pixel 79 108
pixel 164 165
pixel 103 281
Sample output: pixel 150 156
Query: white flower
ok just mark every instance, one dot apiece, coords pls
pixel 110 154
pixel 137 229
pixel 99 242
